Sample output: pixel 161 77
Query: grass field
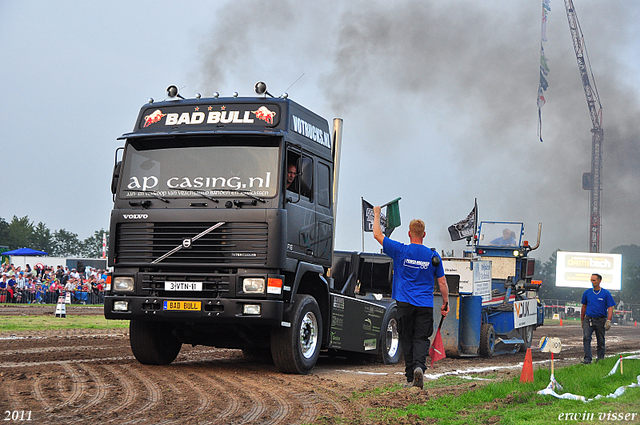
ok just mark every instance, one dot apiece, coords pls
pixel 44 322
pixel 511 402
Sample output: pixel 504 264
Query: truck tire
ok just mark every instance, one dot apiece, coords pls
pixel 152 344
pixel 389 338
pixel 296 349
pixel 487 340
pixel 527 335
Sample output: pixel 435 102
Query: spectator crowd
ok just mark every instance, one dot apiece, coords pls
pixel 43 285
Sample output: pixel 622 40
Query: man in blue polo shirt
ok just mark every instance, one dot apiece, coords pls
pixel 596 314
pixel 413 283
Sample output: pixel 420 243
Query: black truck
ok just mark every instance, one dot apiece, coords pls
pixel 222 234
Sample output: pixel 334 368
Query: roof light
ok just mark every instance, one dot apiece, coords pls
pixel 216 94
pixel 261 89
pixel 172 92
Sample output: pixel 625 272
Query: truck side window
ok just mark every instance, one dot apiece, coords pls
pixel 305 174
pixel 324 185
pixel 291 172
pixel 299 174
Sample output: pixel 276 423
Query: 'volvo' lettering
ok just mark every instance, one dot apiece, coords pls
pixel 135 216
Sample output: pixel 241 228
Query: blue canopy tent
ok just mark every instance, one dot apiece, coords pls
pixel 24 251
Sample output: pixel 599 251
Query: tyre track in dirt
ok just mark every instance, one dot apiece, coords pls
pixel 182 388
pixel 11 392
pixel 154 395
pixel 127 398
pixel 83 379
pixel 77 387
pixel 279 410
pixel 39 394
pixel 252 406
pixel 233 404
pixel 100 387
pixel 302 389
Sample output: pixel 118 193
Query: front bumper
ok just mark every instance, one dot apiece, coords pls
pixel 219 310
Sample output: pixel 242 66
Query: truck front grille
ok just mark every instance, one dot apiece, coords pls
pixel 239 243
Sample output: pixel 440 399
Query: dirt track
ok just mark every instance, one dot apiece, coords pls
pixel 85 376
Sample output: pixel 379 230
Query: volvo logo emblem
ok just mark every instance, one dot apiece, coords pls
pixel 186 243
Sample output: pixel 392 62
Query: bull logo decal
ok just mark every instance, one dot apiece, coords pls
pixel 153 118
pixel 263 113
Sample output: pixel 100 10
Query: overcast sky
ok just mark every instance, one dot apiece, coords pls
pixel 438 101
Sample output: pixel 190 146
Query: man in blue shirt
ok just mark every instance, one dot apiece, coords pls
pixel 596 314
pixel 508 239
pixel 413 283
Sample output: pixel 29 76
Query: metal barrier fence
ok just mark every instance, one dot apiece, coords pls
pixel 36 297
pixel 564 309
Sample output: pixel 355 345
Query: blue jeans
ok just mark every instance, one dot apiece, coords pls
pixel 591 325
pixel 415 326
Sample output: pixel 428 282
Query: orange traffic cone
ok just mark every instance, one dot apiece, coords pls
pixel 635 323
pixel 527 368
pixel 561 321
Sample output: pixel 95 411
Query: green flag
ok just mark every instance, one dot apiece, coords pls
pixel 393 214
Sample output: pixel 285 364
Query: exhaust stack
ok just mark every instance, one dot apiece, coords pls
pixel 337 147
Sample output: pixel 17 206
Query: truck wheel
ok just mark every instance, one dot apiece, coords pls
pixel 152 344
pixel 527 336
pixel 487 340
pixel 389 338
pixel 296 349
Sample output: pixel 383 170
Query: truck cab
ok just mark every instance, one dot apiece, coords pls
pixel 222 228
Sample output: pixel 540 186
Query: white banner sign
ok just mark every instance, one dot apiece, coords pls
pixel 525 313
pixel 574 269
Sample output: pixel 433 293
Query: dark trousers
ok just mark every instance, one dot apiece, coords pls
pixel 415 325
pixel 591 325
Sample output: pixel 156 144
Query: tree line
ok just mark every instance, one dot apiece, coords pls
pixel 24 233
pixel 630 288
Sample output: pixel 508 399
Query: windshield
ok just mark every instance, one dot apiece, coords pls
pixel 500 234
pixel 190 171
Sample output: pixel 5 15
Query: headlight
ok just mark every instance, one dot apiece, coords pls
pixel 121 306
pixel 253 285
pixel 253 309
pixel 123 284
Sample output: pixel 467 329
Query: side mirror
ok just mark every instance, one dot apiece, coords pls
pixel 115 177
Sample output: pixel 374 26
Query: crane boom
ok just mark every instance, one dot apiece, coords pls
pixel 590 181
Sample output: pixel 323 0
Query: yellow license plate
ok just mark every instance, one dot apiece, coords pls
pixel 182 305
